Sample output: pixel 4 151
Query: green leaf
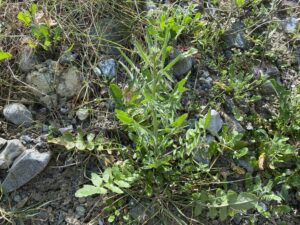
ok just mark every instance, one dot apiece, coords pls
pixel 223 213
pixel 25 17
pixel 117 94
pixel 111 218
pixel 180 120
pixel 212 212
pixel 33 9
pixel 96 180
pixel 107 175
pixel 124 117
pixel 244 201
pixel 122 183
pixel 113 188
pixel 207 120
pixel 88 190
pixel 5 55
pixel 239 3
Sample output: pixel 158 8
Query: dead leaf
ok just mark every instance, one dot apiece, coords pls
pixel 262 161
pixel 42 18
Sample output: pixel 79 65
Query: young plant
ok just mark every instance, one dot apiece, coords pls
pixel 42 28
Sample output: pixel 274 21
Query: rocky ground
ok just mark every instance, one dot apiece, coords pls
pixel 49 93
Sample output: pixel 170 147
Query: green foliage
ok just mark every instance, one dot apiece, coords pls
pixel 239 3
pixel 44 34
pixel 114 179
pixel 4 55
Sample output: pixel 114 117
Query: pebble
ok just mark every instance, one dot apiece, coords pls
pixel 12 150
pixel 82 114
pixel 106 68
pixel 215 123
pixel 80 211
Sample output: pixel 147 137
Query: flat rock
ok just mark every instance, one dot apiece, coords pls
pixel 18 114
pixel 235 37
pixel 26 166
pixel 11 151
pixel 215 123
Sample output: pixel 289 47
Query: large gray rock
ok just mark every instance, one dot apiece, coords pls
pixel 106 68
pixel 12 150
pixel 18 114
pixel 215 123
pixel 183 66
pixel 25 167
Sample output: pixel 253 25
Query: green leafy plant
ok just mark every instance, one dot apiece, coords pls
pixel 4 55
pixel 42 31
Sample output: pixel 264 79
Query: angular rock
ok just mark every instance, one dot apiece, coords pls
pixel 12 150
pixel 266 69
pixel 215 123
pixel 235 37
pixel 267 88
pixel 69 83
pixel 82 114
pixel 25 167
pixel 107 68
pixel 18 114
pixel 183 66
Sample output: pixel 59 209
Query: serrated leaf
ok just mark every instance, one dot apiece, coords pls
pixel 122 183
pixel 96 180
pixel 124 117
pixel 114 188
pixel 33 9
pixel 25 17
pixel 5 55
pixel 239 3
pixel 88 190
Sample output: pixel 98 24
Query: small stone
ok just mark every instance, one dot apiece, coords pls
pixel 82 114
pixel 290 25
pixel 18 114
pixel 26 166
pixel 235 38
pixel 215 123
pixel 80 211
pixel 107 68
pixel 68 57
pixel 17 198
pixel 183 66
pixel 26 139
pixel 12 150
pixel 66 129
pixel 237 219
pixel 150 5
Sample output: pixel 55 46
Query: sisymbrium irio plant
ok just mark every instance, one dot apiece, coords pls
pixel 160 162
